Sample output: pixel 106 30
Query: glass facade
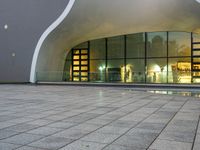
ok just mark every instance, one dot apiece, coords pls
pixel 156 57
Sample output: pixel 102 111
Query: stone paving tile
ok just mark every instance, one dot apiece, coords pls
pixel 41 122
pixel 8 146
pixel 6 124
pixel 196 146
pixel 141 142
pixel 22 139
pixel 151 126
pixel 62 125
pixel 198 136
pixel 118 147
pixel 29 148
pixel 44 131
pixel 178 136
pixel 197 141
pixel 22 127
pixel 180 128
pixel 155 118
pixel 100 137
pixel 6 133
pixel 123 124
pixel 84 145
pixel 51 142
pixel 72 134
pixel 86 127
pixel 112 130
pixel 170 145
pixel 6 118
pixel 73 117
pixel 21 120
pixel 142 132
pixel 98 121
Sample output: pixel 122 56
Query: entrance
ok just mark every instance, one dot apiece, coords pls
pixel 80 65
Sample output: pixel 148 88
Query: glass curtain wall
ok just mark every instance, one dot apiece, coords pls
pixel 135 58
pixel 156 57
pixel 115 59
pixel 179 61
pixel 98 60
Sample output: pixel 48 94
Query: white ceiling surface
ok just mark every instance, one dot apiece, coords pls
pixel 93 19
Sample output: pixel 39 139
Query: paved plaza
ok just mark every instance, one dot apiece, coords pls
pixel 96 118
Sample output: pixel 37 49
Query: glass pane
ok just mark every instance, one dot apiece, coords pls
pixel 76 78
pixel 84 79
pixel 84 62
pixel 98 49
pixel 76 57
pixel 84 68
pixel 135 70
pixel 196 60
pixel 76 68
pixel 115 70
pixel 76 62
pixel 196 37
pixel 156 46
pixel 135 44
pixel 116 47
pixel 179 70
pixel 76 73
pixel 157 70
pixel 196 53
pixel 84 56
pixel 84 51
pixel 97 70
pixel 84 74
pixel 179 44
pixel 68 71
pixel 196 46
pixel 76 51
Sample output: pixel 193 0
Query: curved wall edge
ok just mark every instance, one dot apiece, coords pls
pixel 44 36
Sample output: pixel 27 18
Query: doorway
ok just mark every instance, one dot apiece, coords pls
pixel 80 65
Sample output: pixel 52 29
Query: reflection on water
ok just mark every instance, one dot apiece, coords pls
pixel 182 93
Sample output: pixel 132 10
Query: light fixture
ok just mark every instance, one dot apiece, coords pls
pixel 5 26
pixel 100 68
pixel 13 54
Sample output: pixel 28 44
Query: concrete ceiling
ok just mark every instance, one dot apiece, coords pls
pixel 93 19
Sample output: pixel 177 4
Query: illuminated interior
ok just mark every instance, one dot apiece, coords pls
pixel 156 57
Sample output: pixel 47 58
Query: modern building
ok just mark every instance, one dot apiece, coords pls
pixel 129 41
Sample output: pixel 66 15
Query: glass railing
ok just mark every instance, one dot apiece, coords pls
pixel 51 76
pixel 121 77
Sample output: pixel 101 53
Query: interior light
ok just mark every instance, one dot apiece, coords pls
pixel 5 26
pixel 100 68
pixel 156 68
pixel 13 54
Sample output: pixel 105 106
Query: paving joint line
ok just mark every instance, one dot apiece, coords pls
pixel 138 122
pixel 69 127
pixel 110 122
pixel 168 123
pixel 194 139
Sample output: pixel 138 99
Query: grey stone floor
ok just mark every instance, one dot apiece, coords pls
pixel 96 118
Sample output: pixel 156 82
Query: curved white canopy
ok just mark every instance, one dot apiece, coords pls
pixel 93 19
